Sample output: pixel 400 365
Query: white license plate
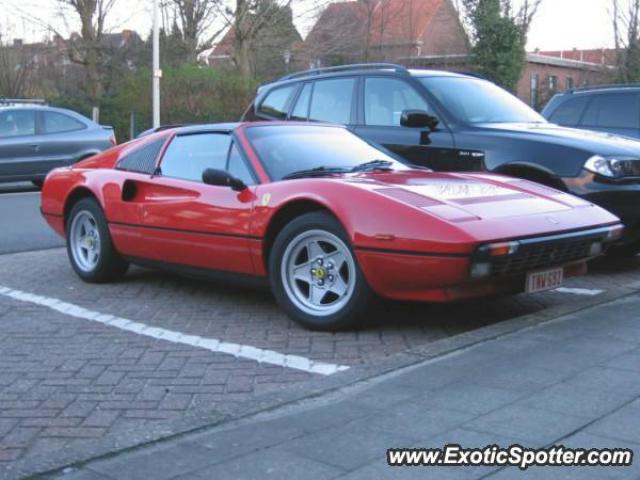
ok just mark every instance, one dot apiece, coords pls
pixel 545 280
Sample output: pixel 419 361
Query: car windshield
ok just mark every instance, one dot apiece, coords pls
pixel 287 149
pixel 474 101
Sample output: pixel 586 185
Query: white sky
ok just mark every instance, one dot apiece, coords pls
pixel 560 24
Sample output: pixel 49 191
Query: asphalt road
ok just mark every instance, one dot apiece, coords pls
pixel 22 228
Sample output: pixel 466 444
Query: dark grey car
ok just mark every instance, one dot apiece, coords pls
pixel 35 139
pixel 606 108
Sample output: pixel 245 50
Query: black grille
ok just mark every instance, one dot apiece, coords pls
pixel 142 160
pixel 545 255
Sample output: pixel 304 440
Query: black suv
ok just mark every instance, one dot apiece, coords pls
pixel 606 108
pixel 453 122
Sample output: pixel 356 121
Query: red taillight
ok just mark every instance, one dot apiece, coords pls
pixel 113 140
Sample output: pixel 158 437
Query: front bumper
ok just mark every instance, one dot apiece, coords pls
pixel 446 278
pixel 622 198
pixel 543 252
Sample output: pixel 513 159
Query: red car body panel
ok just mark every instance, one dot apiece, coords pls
pixel 401 224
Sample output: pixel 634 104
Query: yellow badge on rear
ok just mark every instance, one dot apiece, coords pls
pixel 266 198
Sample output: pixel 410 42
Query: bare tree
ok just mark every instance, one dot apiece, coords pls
pixel 626 29
pixel 195 19
pixel 87 48
pixel 16 70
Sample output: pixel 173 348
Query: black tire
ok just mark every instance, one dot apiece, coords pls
pixel 624 251
pixel 37 183
pixel 110 265
pixel 357 304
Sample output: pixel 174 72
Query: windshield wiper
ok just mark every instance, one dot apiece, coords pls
pixel 315 172
pixel 380 165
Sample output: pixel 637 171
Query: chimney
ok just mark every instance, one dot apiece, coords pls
pixel 17 42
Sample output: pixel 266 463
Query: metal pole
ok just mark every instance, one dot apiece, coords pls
pixel 157 73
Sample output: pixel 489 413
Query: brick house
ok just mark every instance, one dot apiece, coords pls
pixel 370 30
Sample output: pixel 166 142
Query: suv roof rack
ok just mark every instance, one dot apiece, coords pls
pixel 22 101
pixel 347 68
pixel 603 87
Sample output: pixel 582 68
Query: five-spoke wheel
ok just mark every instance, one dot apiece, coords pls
pixel 89 244
pixel 318 272
pixel 315 276
pixel 84 238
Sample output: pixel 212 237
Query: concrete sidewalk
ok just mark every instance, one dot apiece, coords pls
pixel 572 382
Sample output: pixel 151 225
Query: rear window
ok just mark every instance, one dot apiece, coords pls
pixel 55 122
pixel 619 110
pixel 570 112
pixel 142 160
pixel 275 104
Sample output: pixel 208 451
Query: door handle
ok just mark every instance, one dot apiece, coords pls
pixel 34 146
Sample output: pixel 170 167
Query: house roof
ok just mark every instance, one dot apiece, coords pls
pixel 604 56
pixel 342 21
pixel 402 21
pixel 390 21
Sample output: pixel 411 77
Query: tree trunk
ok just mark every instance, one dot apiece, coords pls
pixel 242 57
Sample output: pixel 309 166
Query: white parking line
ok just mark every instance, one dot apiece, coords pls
pixel 580 291
pixel 212 344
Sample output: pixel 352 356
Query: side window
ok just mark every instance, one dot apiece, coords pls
pixel 55 122
pixel 386 98
pixel 237 166
pixel 613 111
pixel 332 100
pixel 570 112
pixel 301 110
pixel 142 160
pixel 275 103
pixel 188 156
pixel 17 123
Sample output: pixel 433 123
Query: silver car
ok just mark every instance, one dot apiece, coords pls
pixel 35 139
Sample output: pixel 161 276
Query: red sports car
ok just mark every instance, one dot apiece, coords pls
pixel 329 219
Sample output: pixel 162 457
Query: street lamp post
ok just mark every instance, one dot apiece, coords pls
pixel 157 73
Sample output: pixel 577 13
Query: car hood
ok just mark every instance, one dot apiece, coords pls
pixel 596 142
pixel 469 197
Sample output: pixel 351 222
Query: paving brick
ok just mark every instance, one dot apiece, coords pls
pixel 79 379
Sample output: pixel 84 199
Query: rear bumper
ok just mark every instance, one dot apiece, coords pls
pixel 446 278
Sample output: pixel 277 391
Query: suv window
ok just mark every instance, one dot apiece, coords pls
pixel 55 122
pixel 386 98
pixel 188 156
pixel 570 112
pixel 620 110
pixel 275 103
pixel 16 123
pixel 301 110
pixel 331 100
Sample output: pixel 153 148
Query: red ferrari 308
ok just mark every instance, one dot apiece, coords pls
pixel 330 220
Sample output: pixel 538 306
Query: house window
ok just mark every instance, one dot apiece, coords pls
pixel 552 83
pixel 535 81
pixel 569 83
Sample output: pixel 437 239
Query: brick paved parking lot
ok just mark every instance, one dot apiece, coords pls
pixel 67 381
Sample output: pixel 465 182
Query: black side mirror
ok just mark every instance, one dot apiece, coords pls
pixel 220 178
pixel 418 119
